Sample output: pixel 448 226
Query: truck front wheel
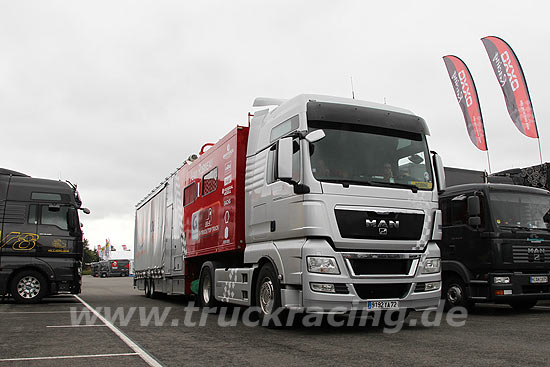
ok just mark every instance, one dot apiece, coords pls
pixel 268 297
pixel 29 286
pixel 455 294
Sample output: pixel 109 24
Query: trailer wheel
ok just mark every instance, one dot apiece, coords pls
pixel 28 286
pixel 206 286
pixel 456 294
pixel 268 297
pixel 523 306
pixel 147 289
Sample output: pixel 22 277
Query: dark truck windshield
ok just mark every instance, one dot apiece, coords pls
pixel 367 155
pixel 519 210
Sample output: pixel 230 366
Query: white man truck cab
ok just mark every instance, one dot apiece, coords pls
pixel 322 204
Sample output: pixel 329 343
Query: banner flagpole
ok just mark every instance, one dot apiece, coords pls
pixel 540 151
pixel 488 161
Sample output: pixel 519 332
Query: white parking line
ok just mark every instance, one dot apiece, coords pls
pixel 149 359
pixel 54 326
pixel 68 357
pixel 543 307
pixel 41 311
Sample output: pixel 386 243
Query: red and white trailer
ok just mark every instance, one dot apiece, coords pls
pixel 196 214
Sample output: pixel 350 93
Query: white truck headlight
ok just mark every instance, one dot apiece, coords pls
pixel 432 265
pixel 325 265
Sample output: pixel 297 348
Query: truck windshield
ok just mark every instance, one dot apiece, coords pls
pixel 367 155
pixel 519 210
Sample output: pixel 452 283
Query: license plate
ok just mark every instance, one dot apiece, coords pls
pixel 539 279
pixel 382 305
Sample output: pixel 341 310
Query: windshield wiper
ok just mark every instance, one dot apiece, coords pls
pixel 509 226
pixel 414 188
pixel 346 182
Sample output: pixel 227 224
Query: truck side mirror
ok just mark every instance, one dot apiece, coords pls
pixel 72 220
pixel 474 210
pixel 474 207
pixel 439 172
pixel 284 159
pixel 315 136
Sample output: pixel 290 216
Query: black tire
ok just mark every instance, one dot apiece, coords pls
pixel 154 294
pixel 103 275
pixel 456 294
pixel 523 306
pixel 28 286
pixel 268 297
pixel 147 289
pixel 206 287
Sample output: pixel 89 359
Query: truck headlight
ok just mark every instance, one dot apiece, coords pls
pixel 501 280
pixel 432 265
pixel 325 265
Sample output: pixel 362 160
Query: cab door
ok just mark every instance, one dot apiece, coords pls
pixel 463 242
pixel 54 231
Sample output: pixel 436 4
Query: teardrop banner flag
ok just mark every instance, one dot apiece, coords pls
pixel 466 94
pixel 512 81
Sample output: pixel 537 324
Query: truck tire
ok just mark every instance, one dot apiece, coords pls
pixel 268 297
pixel 456 294
pixel 147 289
pixel 523 306
pixel 28 286
pixel 206 286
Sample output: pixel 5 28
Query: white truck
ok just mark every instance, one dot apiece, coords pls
pixel 321 204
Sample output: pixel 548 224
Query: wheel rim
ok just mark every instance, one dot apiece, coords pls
pixel 267 296
pixel 206 289
pixel 455 294
pixel 28 287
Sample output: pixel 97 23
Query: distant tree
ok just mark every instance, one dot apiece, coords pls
pixel 90 256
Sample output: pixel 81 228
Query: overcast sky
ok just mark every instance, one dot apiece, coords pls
pixel 114 95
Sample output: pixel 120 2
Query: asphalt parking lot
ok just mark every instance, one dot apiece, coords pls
pixel 63 331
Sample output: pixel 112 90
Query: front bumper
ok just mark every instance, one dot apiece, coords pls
pixel 354 292
pixel 520 288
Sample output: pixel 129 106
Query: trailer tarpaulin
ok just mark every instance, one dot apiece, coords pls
pixel 512 81
pixel 466 94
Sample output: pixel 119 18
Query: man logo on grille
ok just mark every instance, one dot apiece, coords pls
pixel 382 225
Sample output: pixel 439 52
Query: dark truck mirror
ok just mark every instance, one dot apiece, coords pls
pixel 85 210
pixel 474 210
pixel 72 220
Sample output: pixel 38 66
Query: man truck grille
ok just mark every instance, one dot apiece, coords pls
pixel 531 254
pixel 382 291
pixel 381 266
pixel 363 224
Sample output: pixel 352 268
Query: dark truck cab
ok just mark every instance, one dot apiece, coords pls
pixel 41 241
pixel 496 245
